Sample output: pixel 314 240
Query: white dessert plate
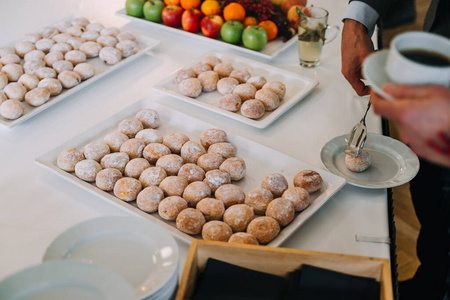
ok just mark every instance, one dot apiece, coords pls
pixel 374 72
pixel 393 163
pixel 271 50
pixel 260 161
pixel 138 250
pixel 297 88
pixel 101 69
pixel 68 280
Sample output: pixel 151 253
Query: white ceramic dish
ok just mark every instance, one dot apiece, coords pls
pixel 271 50
pixel 297 87
pixel 138 250
pixel 68 280
pixel 101 69
pixel 260 161
pixel 393 163
pixel 374 72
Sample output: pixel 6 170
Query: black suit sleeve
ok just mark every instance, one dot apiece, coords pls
pixel 381 6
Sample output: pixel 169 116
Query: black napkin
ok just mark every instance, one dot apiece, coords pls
pixel 224 281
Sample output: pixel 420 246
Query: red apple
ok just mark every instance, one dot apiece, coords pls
pixel 211 25
pixel 286 4
pixel 190 20
pixel 171 15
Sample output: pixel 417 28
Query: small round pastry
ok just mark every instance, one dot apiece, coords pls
pixel 80 21
pixel 152 176
pixel 135 167
pixel 126 36
pixel 13 71
pixel 200 68
pixel 91 48
pixel 45 45
pixel 52 85
pixel 226 150
pixel 268 98
pixel 85 70
pixel 15 90
pixel 62 65
pixel 309 180
pixel 76 42
pixel 110 55
pixel 209 80
pixel 68 159
pixel 61 47
pixel 212 61
pixel 37 96
pixel 87 170
pixel 230 194
pixel 107 178
pixel 240 75
pixel 235 166
pixel 216 178
pixel 127 189
pixel 107 41
pixel 358 163
pixel 62 26
pixel 116 160
pixel 23 48
pixel 3 97
pixel 95 27
pixel 265 229
pixel 45 72
pixel 276 86
pixel 90 36
pixel 243 238
pixel 253 109
pixel 69 79
pixel 213 136
pixel 276 183
pixel 7 50
pixel 191 172
pixel 95 150
pixel 238 217
pixel 175 141
pixel 31 66
pixel 226 85
pixel 149 118
pixel 75 56
pixel 34 55
pixel 191 87
pixel 11 109
pixel 298 196
pixel 170 207
pixel 150 136
pixel 133 147
pixel 190 221
pixel 115 140
pixel 257 81
pixel 12 58
pixel 171 163
pixel 182 75
pixel 112 31
pixel 211 208
pixel 258 199
pixel 29 81
pixel 48 33
pixel 130 127
pixel 149 198
pixel 76 30
pixel 210 161
pixel 31 37
pixel 230 102
pixel 281 210
pixel 3 80
pixel 173 185
pixel 195 192
pixel 153 151
pixel 245 91
pixel 191 151
pixel 127 47
pixel 223 69
pixel 216 231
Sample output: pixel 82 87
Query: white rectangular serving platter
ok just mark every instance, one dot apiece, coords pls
pixel 101 69
pixel 297 88
pixel 260 161
pixel 271 50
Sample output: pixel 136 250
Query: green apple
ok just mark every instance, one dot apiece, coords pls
pixel 231 31
pixel 153 10
pixel 254 37
pixel 135 8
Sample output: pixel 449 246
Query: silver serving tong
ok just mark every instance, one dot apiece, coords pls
pixel 357 136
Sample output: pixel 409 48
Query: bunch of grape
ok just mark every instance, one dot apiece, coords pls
pixel 260 9
pixel 284 28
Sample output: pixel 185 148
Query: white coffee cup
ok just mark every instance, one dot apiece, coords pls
pixel 406 71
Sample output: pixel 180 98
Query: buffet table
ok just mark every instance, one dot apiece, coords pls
pixel 36 206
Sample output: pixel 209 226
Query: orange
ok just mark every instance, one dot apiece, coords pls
pixel 250 21
pixel 172 2
pixel 210 7
pixel 271 29
pixel 234 11
pixel 189 4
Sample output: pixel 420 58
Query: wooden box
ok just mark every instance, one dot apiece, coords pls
pixel 279 261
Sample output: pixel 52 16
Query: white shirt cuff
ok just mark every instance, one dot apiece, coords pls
pixel 363 13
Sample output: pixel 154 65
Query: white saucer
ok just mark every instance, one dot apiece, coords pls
pixel 68 280
pixel 374 72
pixel 393 163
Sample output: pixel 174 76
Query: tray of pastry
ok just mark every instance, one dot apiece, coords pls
pixel 87 50
pixel 184 174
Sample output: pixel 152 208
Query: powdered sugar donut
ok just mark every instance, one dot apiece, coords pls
pixel 34 55
pixel 253 109
pixel 245 91
pixel 76 42
pixel 191 172
pixel 190 87
pixel 223 69
pixel 115 140
pixel 195 192
pixel 107 178
pixel 45 72
pixel 130 127
pixel 226 150
pixel 14 71
pixel 112 31
pixel 208 81
pixel 298 196
pixel 238 217
pixel 95 150
pixel 76 30
pixel 170 207
pixel 153 151
pixel 116 160
pixel 62 65
pixel 7 50
pixel 235 166
pixel 149 198
pixel 213 136
pixel 173 185
pixel 69 158
pixel 91 48
pixel 268 98
pixel 265 229
pixel 80 21
pixel 183 74
pixel 11 59
pixel 133 147
pixel 15 90
pixel 126 36
pixel 281 210
pixel 210 161
pixel 37 96
pixel 175 141
pixel 190 221
pixel 62 47
pixel 23 48
pixel 95 27
pixel 150 136
pixel 258 199
pixel 45 45
pixel 191 151
pixel 309 180
pixel 243 238
pixel 230 194
pixel 90 36
pixel 127 189
pixel 52 85
pixel 31 37
pixel 127 47
pixel 230 102
pixel 69 79
pixel 29 81
pixel 87 170
pixel 216 178
pixel 276 86
pixel 149 118
pixel 226 85
pixel 135 167
pixel 211 208
pixel 358 163
pixel 276 183
pixel 240 75
pixel 110 55
pixel 11 109
pixel 171 163
pixel 107 41
pixel 200 68
pixel 257 81
pixel 48 33
pixel 75 56
pixel 216 231
pixel 152 176
pixel 85 70
pixel 212 61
